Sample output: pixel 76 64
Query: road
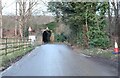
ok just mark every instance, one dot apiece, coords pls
pixel 58 60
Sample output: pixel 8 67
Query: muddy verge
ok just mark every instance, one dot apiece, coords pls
pixel 100 59
pixel 103 60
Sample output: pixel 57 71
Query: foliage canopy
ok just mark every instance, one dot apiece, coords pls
pixel 86 20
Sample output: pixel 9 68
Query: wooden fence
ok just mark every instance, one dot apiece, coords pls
pixel 10 45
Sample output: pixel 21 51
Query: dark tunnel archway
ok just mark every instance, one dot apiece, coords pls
pixel 46 36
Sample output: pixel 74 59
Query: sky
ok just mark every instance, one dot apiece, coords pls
pixel 9 7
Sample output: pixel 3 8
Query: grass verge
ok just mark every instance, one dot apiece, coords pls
pixel 10 58
pixel 100 53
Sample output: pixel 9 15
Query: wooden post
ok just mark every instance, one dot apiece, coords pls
pixel 5 46
pixel 19 43
pixel 26 44
pixel 23 43
pixel 13 44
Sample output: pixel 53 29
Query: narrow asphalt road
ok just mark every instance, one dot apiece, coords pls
pixel 58 60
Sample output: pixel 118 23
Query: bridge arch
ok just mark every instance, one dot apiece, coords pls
pixel 46 36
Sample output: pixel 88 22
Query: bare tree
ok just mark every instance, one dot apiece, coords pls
pixel 16 23
pixel 116 12
pixel 25 13
pixel 1 28
pixel 116 20
pixel 109 20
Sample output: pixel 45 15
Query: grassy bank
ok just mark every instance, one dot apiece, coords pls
pixel 97 52
pixel 10 58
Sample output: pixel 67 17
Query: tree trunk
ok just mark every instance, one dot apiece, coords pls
pixel 21 27
pixel 110 19
pixel 22 17
pixel 1 28
pixel 117 27
pixel 85 37
pixel 16 23
pixel 85 30
pixel 118 23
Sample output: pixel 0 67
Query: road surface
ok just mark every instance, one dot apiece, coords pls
pixel 58 60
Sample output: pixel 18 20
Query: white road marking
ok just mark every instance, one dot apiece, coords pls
pixel 5 70
pixel 85 55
